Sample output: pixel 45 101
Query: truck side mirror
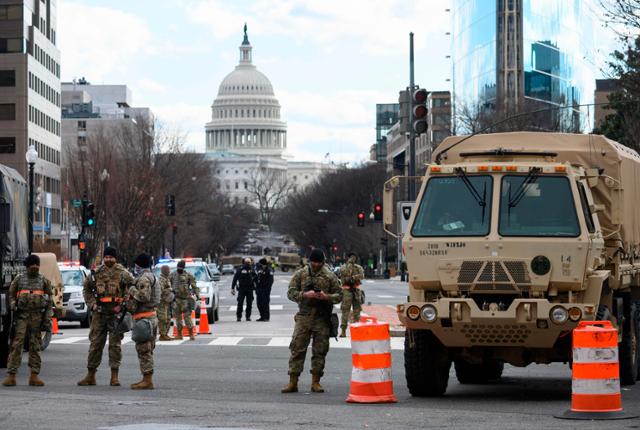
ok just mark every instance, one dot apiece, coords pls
pixel 5 218
pixel 388 204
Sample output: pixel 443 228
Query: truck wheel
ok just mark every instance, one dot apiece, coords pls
pixel 210 316
pixel 628 348
pixel 426 364
pixel 86 322
pixel 216 316
pixel 468 373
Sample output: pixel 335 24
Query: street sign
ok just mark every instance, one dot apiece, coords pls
pixel 76 203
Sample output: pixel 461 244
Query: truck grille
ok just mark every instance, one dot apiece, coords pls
pixel 492 334
pixel 494 275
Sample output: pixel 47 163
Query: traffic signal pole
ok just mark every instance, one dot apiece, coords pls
pixel 411 189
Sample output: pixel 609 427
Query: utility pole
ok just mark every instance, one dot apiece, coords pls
pixel 411 189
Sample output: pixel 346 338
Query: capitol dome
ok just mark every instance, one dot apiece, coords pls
pixel 245 116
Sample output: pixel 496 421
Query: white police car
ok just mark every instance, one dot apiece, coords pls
pixel 204 280
pixel 73 276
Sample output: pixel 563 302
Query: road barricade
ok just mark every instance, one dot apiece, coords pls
pixel 595 383
pixel 371 380
pixel 203 327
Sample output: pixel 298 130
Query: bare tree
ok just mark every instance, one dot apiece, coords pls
pixel 269 188
pixel 623 16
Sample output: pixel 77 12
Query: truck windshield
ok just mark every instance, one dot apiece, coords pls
pixel 72 277
pixel 543 207
pixel 455 206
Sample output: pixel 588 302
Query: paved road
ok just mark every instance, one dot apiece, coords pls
pixel 232 379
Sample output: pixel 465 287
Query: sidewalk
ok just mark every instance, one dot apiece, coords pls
pixel 386 313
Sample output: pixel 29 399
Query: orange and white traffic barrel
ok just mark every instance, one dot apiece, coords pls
pixel 595 383
pixel 371 360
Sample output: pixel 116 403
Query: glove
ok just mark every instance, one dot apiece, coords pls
pixel 116 309
pixel 233 291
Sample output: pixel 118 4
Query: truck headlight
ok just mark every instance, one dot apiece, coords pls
pixel 413 312
pixel 559 315
pixel 76 295
pixel 429 313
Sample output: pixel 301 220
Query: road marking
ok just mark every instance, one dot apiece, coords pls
pixel 271 307
pixel 386 297
pixel 174 342
pixel 275 297
pixel 68 340
pixel 279 341
pixel 369 281
pixel 126 340
pixel 227 341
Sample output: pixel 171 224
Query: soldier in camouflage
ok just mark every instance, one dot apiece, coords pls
pixel 351 275
pixel 316 289
pixel 141 305
pixel 184 287
pixel 105 292
pixel 30 297
pixel 166 300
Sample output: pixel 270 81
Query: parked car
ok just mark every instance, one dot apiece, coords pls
pixel 227 269
pixel 204 280
pixel 73 276
pixel 215 273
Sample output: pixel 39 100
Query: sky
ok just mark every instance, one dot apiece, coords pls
pixel 330 61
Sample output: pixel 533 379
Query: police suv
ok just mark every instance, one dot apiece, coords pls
pixel 204 279
pixel 73 276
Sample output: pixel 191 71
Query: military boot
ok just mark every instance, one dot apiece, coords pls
pixel 179 336
pixel 315 384
pixel 10 380
pixel 292 386
pixel 114 378
pixel 191 333
pixel 145 384
pixel 90 379
pixel 34 381
pixel 343 333
pixel 165 337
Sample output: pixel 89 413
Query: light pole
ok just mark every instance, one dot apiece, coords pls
pixel 104 178
pixel 31 157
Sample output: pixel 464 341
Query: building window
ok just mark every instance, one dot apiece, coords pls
pixel 7 112
pixel 10 12
pixel 236 185
pixel 236 171
pixel 246 200
pixel 246 185
pixel 7 78
pixel 82 125
pixel 7 145
pixel 11 45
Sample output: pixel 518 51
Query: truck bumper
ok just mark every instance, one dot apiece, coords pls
pixel 525 323
pixel 75 310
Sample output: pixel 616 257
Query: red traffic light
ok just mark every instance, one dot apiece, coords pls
pixel 361 219
pixel 82 245
pixel 420 96
pixel 377 212
pixel 360 215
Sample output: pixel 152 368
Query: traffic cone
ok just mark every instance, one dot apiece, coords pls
pixel 203 328
pixel 371 359
pixel 54 326
pixel 595 382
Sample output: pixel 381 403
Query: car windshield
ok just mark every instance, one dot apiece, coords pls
pixel 198 272
pixel 455 206
pixel 72 277
pixel 540 207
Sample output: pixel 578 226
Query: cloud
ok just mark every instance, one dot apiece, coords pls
pixel 185 119
pixel 97 41
pixel 309 142
pixel 377 27
pixel 149 85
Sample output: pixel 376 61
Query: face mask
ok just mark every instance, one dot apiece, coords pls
pixel 137 270
pixel 33 270
pixel 352 260
pixel 109 263
pixel 180 270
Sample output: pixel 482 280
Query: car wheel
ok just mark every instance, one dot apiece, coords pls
pixel 216 317
pixel 86 322
pixel 210 316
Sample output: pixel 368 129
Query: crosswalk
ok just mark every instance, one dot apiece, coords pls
pixel 223 341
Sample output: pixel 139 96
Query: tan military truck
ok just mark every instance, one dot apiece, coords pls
pixel 515 238
pixel 289 260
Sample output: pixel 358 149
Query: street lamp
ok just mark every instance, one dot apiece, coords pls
pixel 104 178
pixel 31 157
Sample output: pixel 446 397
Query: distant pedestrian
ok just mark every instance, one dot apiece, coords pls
pixel 184 287
pixel 351 275
pixel 315 289
pixel 245 281
pixel 105 292
pixel 263 288
pixel 30 297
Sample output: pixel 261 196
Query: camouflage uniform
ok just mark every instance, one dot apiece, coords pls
pixel 110 285
pixel 183 284
pixel 31 295
pixel 166 299
pixel 311 320
pixel 140 302
pixel 351 275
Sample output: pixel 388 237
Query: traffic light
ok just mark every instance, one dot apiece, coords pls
pixel 361 219
pixel 419 106
pixel 377 212
pixel 90 217
pixel 334 248
pixel 174 227
pixel 82 245
pixel 405 105
pixel 170 204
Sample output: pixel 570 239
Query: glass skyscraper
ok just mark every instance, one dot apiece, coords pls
pixel 519 55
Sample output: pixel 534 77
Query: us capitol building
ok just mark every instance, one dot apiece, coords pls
pixel 246 136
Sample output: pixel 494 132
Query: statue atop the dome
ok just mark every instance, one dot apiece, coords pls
pixel 246 38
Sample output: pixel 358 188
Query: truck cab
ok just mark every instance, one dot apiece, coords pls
pixel 506 253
